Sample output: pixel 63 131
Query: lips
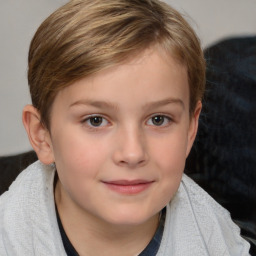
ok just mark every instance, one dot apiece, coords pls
pixel 128 187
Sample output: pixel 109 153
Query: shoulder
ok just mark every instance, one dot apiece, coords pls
pixel 213 221
pixel 36 177
pixel 22 185
pixel 199 197
pixel 197 225
pixel 28 201
pixel 28 188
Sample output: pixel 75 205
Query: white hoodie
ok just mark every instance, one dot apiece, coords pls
pixel 195 224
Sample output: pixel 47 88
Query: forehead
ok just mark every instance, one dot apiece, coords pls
pixel 149 76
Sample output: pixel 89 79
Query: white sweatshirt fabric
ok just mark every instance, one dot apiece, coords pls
pixel 195 224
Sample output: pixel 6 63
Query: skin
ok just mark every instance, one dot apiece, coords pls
pixel 129 123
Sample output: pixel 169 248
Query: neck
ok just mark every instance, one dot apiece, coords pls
pixel 91 236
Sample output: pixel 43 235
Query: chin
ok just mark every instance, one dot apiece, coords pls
pixel 130 219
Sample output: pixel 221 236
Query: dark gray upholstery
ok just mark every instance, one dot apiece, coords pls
pixel 223 158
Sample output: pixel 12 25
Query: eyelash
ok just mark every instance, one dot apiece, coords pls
pixel 166 120
pixel 89 119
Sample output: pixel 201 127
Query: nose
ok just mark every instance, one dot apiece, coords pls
pixel 130 150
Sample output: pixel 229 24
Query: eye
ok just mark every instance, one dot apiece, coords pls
pixel 95 121
pixel 159 120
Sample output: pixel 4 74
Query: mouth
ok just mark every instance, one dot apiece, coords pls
pixel 128 187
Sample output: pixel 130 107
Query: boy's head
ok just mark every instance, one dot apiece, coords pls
pixel 84 37
pixel 116 88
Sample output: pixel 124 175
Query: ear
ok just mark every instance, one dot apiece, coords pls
pixel 193 126
pixel 38 135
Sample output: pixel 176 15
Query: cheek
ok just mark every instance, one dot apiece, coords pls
pixel 169 159
pixel 170 152
pixel 78 165
pixel 74 147
pixel 77 159
pixel 172 166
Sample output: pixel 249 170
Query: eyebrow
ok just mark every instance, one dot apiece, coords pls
pixel 95 103
pixel 110 105
pixel 164 102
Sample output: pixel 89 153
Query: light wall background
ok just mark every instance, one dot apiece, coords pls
pixel 213 21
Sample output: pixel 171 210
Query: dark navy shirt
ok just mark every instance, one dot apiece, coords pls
pixel 151 248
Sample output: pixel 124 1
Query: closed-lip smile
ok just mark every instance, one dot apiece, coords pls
pixel 128 187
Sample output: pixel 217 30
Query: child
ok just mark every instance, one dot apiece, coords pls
pixel 116 88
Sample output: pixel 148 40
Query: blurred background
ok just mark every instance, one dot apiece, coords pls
pixel 212 20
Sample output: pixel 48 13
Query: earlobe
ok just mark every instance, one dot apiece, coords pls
pixel 193 127
pixel 38 135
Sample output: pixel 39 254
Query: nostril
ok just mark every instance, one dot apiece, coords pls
pixel 132 162
pixel 131 149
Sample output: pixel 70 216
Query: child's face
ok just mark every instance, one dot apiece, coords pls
pixel 120 139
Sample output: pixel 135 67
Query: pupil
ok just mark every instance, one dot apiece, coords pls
pixel 96 120
pixel 158 120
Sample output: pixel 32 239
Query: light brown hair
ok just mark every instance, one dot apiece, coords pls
pixel 85 36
